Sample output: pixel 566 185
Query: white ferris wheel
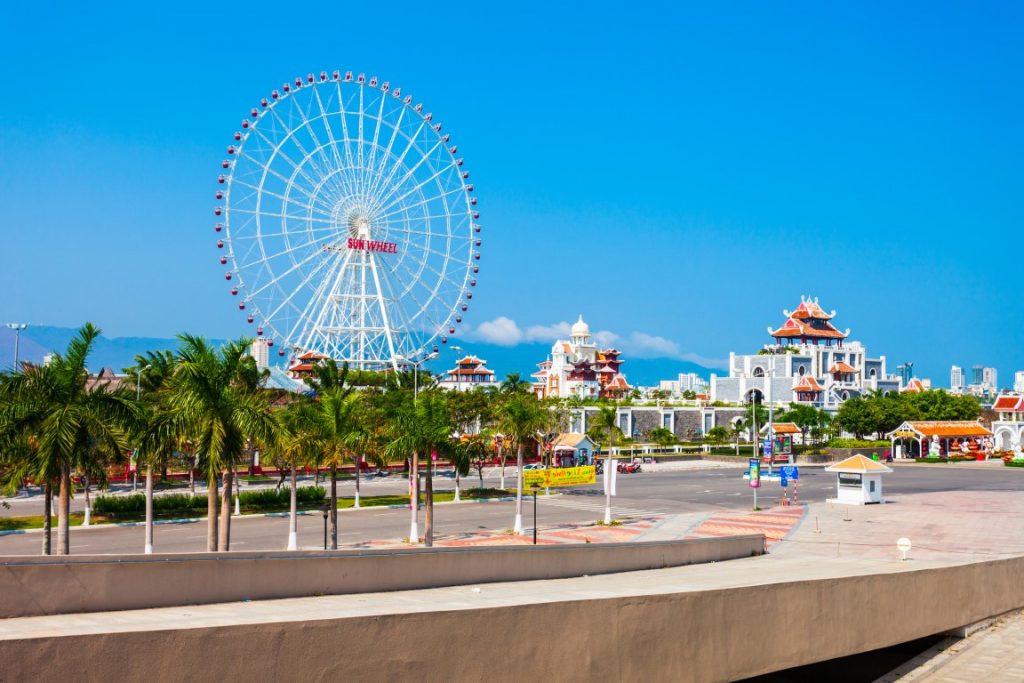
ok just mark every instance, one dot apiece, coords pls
pixel 348 222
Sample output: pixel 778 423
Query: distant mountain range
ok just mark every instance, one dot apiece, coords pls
pixel 118 352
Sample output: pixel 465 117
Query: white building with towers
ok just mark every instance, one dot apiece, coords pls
pixel 577 368
pixel 811 362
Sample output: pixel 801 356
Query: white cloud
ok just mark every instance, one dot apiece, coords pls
pixel 504 331
pixel 605 339
pixel 548 333
pixel 501 331
pixel 643 345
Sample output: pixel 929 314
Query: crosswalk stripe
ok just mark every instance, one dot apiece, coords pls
pixel 599 507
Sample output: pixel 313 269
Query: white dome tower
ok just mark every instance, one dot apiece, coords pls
pixel 580 332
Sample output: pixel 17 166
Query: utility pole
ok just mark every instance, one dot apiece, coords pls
pixel 18 329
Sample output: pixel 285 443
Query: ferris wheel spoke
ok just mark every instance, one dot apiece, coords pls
pixel 294 138
pixel 400 161
pixel 379 172
pixel 278 278
pixel 437 197
pixel 373 145
pixel 298 289
pixel 344 125
pixel 270 193
pixel 268 170
pixel 330 136
pixel 285 252
pixel 267 214
pixel 278 151
pixel 410 175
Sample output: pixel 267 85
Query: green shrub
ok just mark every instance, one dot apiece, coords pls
pixel 270 498
pixel 857 443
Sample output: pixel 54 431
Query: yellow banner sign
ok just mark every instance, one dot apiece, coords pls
pixel 899 435
pixel 560 476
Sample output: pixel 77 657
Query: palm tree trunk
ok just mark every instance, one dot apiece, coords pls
pixel 518 528
pixel 501 459
pixel 334 507
pixel 211 513
pixel 63 508
pixel 428 532
pixel 88 502
pixel 414 503
pixel 457 492
pixel 148 549
pixel 293 516
pixel 609 474
pixel 47 517
pixel 357 483
pixel 224 542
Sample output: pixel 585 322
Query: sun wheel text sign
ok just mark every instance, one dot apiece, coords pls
pixel 373 245
pixel 560 476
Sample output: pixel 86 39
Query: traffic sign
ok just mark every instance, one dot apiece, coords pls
pixel 790 471
pixel 784 481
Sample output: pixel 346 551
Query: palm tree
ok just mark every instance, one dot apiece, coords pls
pixel 423 426
pixel 74 425
pixel 607 419
pixel 520 417
pixel 299 441
pixel 213 402
pixel 334 428
pixel 514 384
pixel 150 374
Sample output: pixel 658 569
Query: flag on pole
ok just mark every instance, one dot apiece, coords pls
pixel 133 461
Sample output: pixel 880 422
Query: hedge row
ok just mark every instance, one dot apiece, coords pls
pixel 184 502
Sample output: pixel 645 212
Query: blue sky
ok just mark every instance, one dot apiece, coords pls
pixel 677 175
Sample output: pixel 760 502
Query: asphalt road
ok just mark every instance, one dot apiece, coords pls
pixel 638 495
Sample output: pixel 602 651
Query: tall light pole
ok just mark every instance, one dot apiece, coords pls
pixel 414 475
pixel 17 327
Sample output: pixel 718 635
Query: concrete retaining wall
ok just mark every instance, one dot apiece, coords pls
pixel 46 585
pixel 699 635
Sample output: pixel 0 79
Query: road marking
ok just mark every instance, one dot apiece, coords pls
pixel 599 507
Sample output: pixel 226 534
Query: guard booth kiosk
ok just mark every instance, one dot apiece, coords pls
pixel 858 480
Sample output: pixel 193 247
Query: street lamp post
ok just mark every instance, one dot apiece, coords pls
pixel 325 512
pixel 414 475
pixel 534 487
pixel 18 328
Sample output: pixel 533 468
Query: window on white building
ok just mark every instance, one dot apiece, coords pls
pixel 758 372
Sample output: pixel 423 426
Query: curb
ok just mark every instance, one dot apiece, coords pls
pixel 191 520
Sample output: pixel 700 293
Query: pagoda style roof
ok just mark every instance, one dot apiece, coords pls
pixel 471 360
pixel 313 355
pixel 808 384
pixel 785 428
pixel 940 428
pixel 1009 403
pixel 462 372
pixel 794 327
pixel 842 367
pixel 809 310
pixel 618 382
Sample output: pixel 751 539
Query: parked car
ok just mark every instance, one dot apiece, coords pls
pixel 534 466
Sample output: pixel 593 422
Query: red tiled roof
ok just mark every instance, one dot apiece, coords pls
pixel 808 384
pixel 797 328
pixel 842 367
pixel 1009 404
pixel 785 428
pixel 810 310
pixel 914 386
pixel 948 428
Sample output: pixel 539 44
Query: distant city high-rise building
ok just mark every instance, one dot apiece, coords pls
pixel 906 371
pixel 261 352
pixel 956 379
pixel 989 381
pixel 1018 381
pixel 977 374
